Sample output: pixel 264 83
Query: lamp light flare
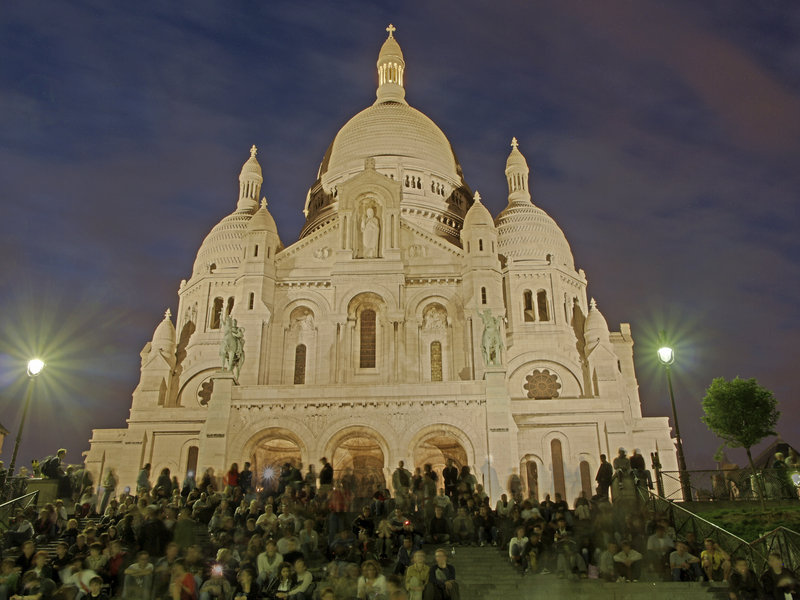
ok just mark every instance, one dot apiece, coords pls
pixel 796 479
pixel 269 473
pixel 666 355
pixel 35 366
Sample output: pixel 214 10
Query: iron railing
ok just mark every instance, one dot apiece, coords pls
pixel 685 521
pixel 785 542
pixel 13 487
pixel 737 485
pixel 9 509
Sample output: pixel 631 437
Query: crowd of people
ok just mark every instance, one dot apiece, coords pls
pixel 304 536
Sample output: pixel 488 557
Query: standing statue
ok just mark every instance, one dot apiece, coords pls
pixel 370 231
pixel 232 350
pixel 492 341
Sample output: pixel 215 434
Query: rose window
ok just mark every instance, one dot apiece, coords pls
pixel 542 384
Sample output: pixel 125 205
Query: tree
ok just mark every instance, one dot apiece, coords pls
pixel 742 413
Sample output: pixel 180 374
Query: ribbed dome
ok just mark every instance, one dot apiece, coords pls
pixel 392 133
pixel 223 245
pixel 526 231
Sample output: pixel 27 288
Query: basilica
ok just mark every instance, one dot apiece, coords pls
pixel 405 323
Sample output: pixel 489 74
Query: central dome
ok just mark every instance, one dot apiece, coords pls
pixel 395 135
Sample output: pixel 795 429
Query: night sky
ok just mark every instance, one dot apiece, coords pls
pixel 664 138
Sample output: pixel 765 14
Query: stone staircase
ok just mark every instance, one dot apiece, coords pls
pixel 485 574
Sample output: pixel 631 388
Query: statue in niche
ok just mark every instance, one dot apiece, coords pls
pixel 232 350
pixel 303 321
pixel 434 318
pixel 492 341
pixel 370 232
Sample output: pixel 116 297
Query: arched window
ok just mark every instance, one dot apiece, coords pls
pixel 255 250
pixel 230 306
pixel 586 478
pixel 480 245
pixel 300 364
pixel 541 303
pixel 527 306
pixel 216 313
pixel 559 485
pixel 436 361
pixel 483 295
pixel 251 301
pixel 191 460
pixel 367 349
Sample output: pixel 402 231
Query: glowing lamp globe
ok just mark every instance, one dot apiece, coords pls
pixel 666 355
pixel 35 366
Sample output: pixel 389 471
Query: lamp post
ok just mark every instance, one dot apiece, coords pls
pixel 667 356
pixel 35 366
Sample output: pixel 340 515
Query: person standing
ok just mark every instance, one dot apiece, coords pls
pixel 450 477
pixel 325 476
pixel 605 473
pixel 143 481
pixel 109 489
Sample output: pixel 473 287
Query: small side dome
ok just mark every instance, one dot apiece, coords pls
pixel 596 326
pixel 164 335
pixel 262 220
pixel 478 215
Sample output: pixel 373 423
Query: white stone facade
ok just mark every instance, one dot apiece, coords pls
pixel 363 339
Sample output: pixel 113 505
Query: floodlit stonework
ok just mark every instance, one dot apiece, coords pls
pixel 364 340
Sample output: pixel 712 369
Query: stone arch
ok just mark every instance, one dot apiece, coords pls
pixel 350 298
pixel 359 455
pixel 441 430
pixel 270 448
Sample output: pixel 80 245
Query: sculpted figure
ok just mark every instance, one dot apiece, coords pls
pixel 492 341
pixel 370 231
pixel 232 350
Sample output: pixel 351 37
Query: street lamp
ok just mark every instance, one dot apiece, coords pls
pixel 667 356
pixel 35 366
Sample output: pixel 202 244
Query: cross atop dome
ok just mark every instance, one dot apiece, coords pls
pixel 167 314
pixel 514 143
pixel 477 196
pixel 253 151
pixel 263 202
pixel 391 29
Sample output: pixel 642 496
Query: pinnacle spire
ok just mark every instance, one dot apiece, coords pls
pixel 514 143
pixel 253 151
pixel 477 196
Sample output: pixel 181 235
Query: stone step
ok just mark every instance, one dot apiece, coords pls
pixel 485 573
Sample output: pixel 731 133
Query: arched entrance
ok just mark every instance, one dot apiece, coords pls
pixel 273 449
pixel 358 461
pixel 530 477
pixel 436 449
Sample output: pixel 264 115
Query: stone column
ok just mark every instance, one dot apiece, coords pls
pixel 213 440
pixel 501 434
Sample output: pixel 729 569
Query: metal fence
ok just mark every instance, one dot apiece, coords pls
pixel 785 542
pixel 8 509
pixel 738 484
pixel 684 521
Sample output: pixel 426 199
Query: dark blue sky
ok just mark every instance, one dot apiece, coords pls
pixel 664 138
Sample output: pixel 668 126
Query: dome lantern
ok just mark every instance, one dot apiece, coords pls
pixel 390 71
pixel 517 172
pixel 250 180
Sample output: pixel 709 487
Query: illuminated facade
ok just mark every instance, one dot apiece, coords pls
pixel 364 338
